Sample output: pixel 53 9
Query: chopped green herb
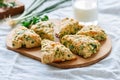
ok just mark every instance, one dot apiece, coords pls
pixel 94 46
pixel 13 44
pixel 57 50
pixel 81 47
pixel 102 38
pixel 68 55
pixel 32 42
pixel 44 18
pixel 65 43
pixel 71 47
pixel 57 53
pixel 28 38
pixel 90 28
pixel 23 45
pixel 76 29
pixel 35 20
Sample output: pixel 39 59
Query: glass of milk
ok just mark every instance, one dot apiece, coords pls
pixel 86 11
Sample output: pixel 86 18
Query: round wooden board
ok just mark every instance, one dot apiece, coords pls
pixel 79 62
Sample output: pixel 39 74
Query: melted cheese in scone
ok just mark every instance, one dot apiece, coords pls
pixel 69 26
pixel 45 29
pixel 93 31
pixel 23 37
pixel 54 52
pixel 81 44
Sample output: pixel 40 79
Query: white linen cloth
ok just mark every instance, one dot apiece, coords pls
pixel 14 66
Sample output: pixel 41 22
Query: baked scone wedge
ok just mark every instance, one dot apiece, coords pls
pixel 54 52
pixel 45 29
pixel 23 37
pixel 69 26
pixel 93 31
pixel 82 45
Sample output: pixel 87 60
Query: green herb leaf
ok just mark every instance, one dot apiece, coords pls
pixel 33 20
pixel 94 46
pixel 26 23
pixel 65 43
pixel 44 18
pixel 81 47
pixel 71 47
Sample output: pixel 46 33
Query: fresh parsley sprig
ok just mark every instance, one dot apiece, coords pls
pixel 31 21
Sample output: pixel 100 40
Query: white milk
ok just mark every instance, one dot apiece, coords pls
pixel 85 10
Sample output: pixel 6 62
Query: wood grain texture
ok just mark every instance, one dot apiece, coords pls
pixel 79 62
pixel 6 12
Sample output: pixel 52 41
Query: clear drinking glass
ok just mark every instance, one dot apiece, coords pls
pixel 86 11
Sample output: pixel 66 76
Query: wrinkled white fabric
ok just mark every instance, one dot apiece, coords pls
pixel 14 66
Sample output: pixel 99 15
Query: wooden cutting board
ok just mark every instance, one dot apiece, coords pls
pixel 79 62
pixel 7 12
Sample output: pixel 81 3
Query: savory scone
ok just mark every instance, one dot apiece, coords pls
pixel 82 45
pixel 93 31
pixel 23 37
pixel 69 26
pixel 54 52
pixel 45 29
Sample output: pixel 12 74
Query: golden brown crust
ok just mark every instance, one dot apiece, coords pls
pixel 45 29
pixel 69 26
pixel 54 52
pixel 80 44
pixel 93 31
pixel 23 37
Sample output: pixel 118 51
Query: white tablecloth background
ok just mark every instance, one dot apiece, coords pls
pixel 14 66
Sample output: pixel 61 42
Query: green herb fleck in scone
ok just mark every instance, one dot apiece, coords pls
pixel 69 26
pixel 94 32
pixel 80 44
pixel 54 52
pixel 24 37
pixel 45 29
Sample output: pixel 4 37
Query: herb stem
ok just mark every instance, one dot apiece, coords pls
pixel 36 3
